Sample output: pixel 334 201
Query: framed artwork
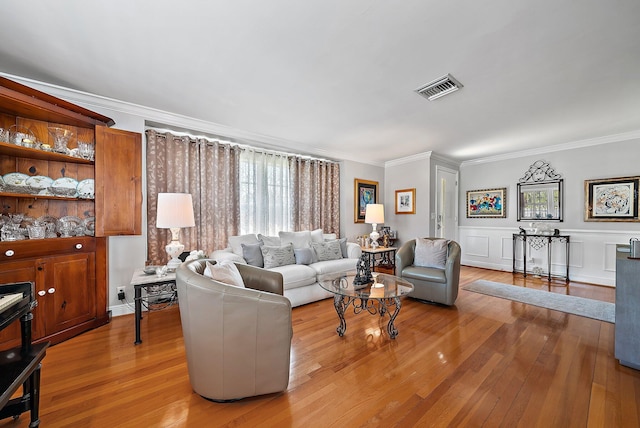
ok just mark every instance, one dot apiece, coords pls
pixel 406 201
pixel 611 199
pixel 365 192
pixel 487 203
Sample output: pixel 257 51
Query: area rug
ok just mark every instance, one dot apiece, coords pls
pixel 589 308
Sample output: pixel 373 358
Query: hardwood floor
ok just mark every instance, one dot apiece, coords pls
pixel 484 362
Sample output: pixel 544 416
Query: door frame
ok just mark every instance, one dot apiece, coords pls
pixel 440 168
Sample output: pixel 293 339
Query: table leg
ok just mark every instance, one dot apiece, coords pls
pixel 34 397
pixel 340 305
pixel 138 316
pixel 391 328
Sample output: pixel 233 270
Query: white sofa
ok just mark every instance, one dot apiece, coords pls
pixel 300 278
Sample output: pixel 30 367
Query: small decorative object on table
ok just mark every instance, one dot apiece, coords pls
pixel 363 271
pixel 195 255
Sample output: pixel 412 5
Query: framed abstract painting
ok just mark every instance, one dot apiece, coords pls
pixel 487 203
pixel 365 192
pixel 611 199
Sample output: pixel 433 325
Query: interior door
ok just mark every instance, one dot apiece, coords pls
pixel 446 203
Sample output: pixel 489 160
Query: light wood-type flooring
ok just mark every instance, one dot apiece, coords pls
pixel 484 362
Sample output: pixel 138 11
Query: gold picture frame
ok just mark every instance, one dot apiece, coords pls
pixel 406 201
pixel 365 192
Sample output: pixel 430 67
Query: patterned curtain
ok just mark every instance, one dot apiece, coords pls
pixel 209 171
pixel 315 194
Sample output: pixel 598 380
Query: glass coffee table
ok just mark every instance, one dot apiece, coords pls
pixel 379 297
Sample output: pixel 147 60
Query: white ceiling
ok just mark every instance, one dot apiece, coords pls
pixel 336 77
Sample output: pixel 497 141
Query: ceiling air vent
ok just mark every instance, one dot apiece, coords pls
pixel 439 87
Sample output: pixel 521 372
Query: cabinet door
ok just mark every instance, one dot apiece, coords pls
pixel 118 182
pixel 14 272
pixel 69 286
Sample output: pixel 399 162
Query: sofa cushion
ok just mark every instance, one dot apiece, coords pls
pixel 431 253
pixel 317 236
pixel 334 266
pixel 295 276
pixel 424 274
pixel 298 239
pixel 278 256
pixel 329 250
pixel 305 256
pixel 252 253
pixel 272 241
pixel 224 272
pixel 235 242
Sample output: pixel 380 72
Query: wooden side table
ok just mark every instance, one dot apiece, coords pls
pixel 141 280
pixel 386 259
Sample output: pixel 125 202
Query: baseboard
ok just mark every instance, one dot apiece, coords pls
pixel 123 309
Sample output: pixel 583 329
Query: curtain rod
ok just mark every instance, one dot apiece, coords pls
pixel 242 146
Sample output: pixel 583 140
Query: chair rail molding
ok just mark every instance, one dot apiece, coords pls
pixel 592 259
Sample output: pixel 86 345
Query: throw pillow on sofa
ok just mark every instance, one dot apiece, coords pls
pixel 225 272
pixel 252 254
pixel 272 241
pixel 343 244
pixel 431 253
pixel 235 242
pixel 305 256
pixel 278 256
pixel 329 250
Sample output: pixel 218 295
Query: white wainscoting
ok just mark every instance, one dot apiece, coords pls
pixel 592 256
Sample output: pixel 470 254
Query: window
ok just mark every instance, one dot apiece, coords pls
pixel 264 193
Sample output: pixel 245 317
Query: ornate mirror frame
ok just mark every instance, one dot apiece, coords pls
pixel 540 194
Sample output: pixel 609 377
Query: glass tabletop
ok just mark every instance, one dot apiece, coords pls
pixel 384 286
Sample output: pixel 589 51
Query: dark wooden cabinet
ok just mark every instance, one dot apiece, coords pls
pixel 70 274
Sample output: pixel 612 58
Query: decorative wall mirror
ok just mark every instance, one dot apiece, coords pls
pixel 540 194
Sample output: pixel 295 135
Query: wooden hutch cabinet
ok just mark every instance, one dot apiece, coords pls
pixel 70 273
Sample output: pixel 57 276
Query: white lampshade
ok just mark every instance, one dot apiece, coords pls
pixel 174 210
pixel 374 214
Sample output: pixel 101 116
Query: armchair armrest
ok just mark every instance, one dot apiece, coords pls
pixel 261 279
pixel 353 250
pixel 404 256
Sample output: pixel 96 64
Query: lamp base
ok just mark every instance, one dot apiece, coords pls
pixel 374 235
pixel 174 249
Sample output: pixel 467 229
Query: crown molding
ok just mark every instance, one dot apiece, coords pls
pixel 607 139
pixel 408 159
pixel 160 118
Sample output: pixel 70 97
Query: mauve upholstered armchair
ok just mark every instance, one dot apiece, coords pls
pixel 430 284
pixel 237 340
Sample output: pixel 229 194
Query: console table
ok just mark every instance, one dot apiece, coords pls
pixel 155 288
pixel 538 242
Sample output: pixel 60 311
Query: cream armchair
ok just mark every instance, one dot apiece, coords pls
pixel 237 340
pixel 430 284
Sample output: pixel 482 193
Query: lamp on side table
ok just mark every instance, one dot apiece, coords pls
pixel 374 214
pixel 175 210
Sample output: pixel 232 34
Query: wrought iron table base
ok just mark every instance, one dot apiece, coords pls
pixel 341 303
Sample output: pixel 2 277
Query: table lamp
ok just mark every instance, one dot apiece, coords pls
pixel 175 210
pixel 374 214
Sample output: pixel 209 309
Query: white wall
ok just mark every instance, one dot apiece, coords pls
pixel 488 242
pixel 408 173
